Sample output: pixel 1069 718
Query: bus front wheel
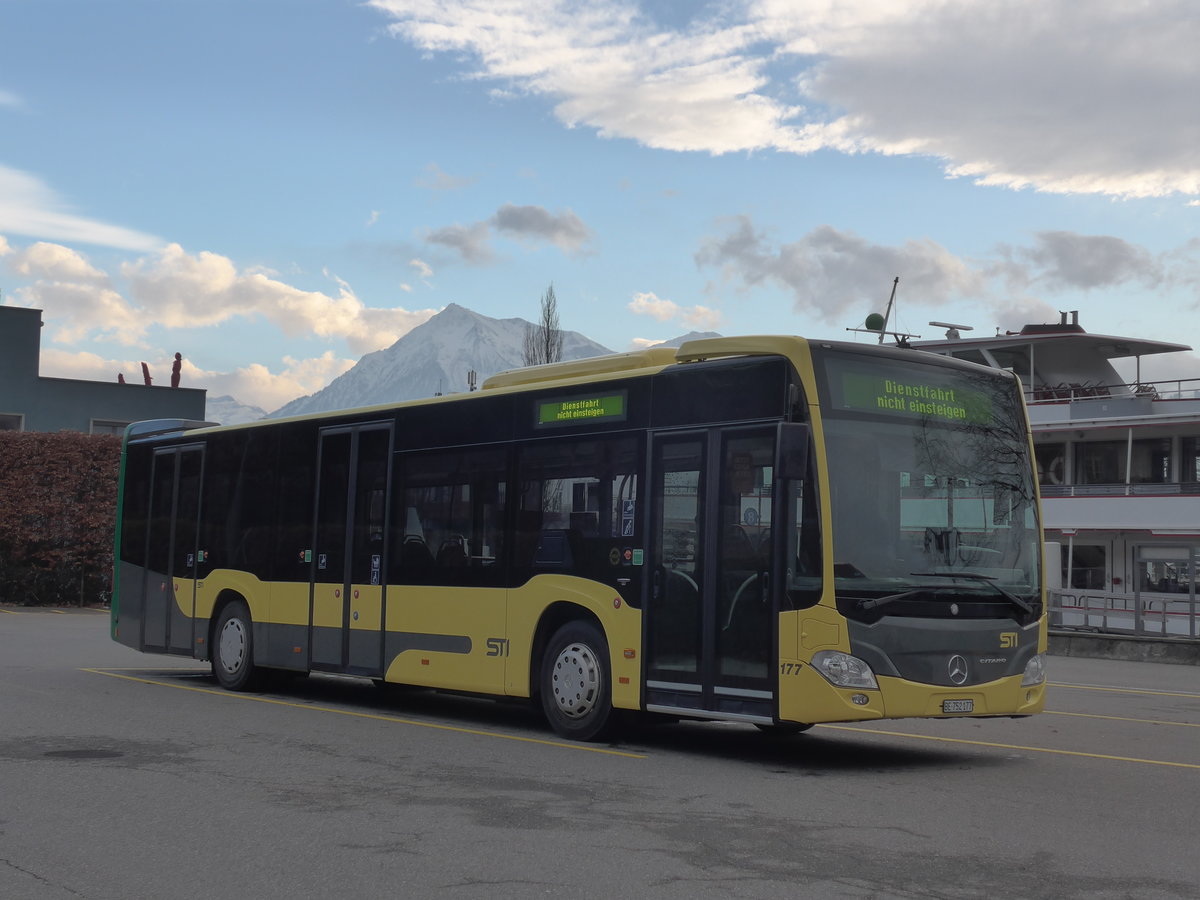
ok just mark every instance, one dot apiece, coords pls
pixel 575 683
pixel 233 649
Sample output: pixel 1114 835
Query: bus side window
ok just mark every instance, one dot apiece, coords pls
pixel 578 509
pixel 451 531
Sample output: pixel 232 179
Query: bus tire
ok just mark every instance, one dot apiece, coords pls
pixel 575 683
pixel 233 649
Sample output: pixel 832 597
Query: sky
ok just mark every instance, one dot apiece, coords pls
pixel 274 188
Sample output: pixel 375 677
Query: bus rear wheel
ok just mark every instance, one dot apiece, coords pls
pixel 575 683
pixel 233 649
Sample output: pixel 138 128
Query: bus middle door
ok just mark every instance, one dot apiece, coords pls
pixel 347 594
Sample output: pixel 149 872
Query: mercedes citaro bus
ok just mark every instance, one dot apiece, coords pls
pixel 766 530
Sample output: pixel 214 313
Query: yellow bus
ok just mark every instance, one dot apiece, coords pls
pixel 761 529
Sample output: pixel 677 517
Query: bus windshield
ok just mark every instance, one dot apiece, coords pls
pixel 931 486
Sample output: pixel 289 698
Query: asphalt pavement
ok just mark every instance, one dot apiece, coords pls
pixel 125 775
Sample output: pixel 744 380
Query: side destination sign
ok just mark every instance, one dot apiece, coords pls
pixel 575 410
pixel 909 394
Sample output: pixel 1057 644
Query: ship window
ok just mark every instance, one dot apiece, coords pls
pixel 1104 462
pixel 1089 571
pixel 975 356
pixel 1016 360
pixel 1189 465
pixel 1051 463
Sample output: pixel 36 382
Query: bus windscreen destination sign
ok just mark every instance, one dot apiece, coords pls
pixel 919 392
pixel 577 410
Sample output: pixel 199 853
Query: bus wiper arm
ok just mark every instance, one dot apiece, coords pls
pixel 989 580
pixel 890 598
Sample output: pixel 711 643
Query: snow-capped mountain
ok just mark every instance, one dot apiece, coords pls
pixel 227 411
pixel 684 338
pixel 434 358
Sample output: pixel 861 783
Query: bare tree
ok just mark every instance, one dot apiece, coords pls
pixel 544 341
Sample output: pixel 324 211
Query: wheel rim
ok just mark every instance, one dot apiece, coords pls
pixel 233 646
pixel 575 680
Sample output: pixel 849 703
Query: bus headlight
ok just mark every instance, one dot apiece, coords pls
pixel 1035 671
pixel 844 670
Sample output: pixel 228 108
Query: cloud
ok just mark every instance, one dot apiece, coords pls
pixel 1049 94
pixel 55 263
pixel 697 318
pixel 1062 260
pixel 187 290
pixel 528 224
pixel 566 231
pixel 75 311
pixel 254 385
pixel 177 289
pixel 437 180
pixel 471 242
pixel 424 270
pixel 10 100
pixel 28 207
pixel 831 273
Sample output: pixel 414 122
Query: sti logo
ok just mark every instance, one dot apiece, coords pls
pixel 1008 639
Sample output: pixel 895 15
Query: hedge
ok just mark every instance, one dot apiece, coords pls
pixel 58 500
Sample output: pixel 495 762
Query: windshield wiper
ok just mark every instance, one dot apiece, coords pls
pixel 989 580
pixel 890 598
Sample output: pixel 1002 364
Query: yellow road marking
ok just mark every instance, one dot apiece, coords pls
pixel 1051 712
pixel 1113 690
pixel 11 612
pixel 946 740
pixel 361 715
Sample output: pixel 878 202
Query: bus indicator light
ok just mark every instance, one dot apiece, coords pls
pixel 630 653
pixel 616 602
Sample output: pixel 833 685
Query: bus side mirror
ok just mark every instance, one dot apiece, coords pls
pixel 794 444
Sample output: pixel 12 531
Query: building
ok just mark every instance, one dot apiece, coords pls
pixel 29 402
pixel 1119 466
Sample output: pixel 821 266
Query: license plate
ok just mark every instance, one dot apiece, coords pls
pixel 958 706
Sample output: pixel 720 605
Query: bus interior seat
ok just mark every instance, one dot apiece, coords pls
pixel 415 553
pixel 453 552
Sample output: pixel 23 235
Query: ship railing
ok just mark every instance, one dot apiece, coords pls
pixel 1175 389
pixel 1169 489
pixel 1143 613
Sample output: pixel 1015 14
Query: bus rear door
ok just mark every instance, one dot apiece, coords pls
pixel 170 586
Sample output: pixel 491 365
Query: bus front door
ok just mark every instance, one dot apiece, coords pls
pixel 170 588
pixel 710 616
pixel 347 594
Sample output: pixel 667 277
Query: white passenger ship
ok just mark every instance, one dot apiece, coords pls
pixel 1119 463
